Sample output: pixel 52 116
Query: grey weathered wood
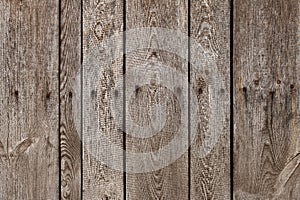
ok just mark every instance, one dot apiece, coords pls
pixel 29 100
pixel 266 99
pixel 170 182
pixel 70 127
pixel 101 20
pixel 210 168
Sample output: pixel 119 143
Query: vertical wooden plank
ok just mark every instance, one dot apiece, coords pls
pixel 29 100
pixel 70 99
pixel 159 100
pixel 266 91
pixel 210 82
pixel 103 66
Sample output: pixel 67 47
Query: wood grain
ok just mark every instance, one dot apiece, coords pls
pixel 29 100
pixel 70 99
pixel 266 99
pixel 51 110
pixel 102 19
pixel 210 158
pixel 170 182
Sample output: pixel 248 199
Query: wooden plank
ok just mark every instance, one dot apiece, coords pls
pixel 102 166
pixel 210 76
pixel 29 100
pixel 266 91
pixel 148 86
pixel 70 99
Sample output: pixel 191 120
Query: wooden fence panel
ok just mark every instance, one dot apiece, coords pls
pixel 29 147
pixel 70 99
pixel 154 98
pixel 88 111
pixel 210 82
pixel 266 99
pixel 102 67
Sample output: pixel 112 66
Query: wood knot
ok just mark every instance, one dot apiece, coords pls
pixel 244 89
pixel 278 81
pixel 16 93
pixel 200 91
pixel 48 95
pixel 101 30
pixel 272 92
pixel 153 55
pixel 137 89
pixel 265 108
pixel 64 183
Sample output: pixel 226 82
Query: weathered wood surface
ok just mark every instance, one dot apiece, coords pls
pixel 29 148
pixel 70 99
pixel 101 20
pixel 169 182
pixel 210 166
pixel 266 99
pixel 41 89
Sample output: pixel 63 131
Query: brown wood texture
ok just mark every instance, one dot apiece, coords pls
pixel 102 20
pixel 62 122
pixel 266 99
pixel 170 182
pixel 70 99
pixel 210 167
pixel 29 149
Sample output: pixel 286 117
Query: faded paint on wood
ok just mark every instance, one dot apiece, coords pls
pixel 266 99
pixel 102 20
pixel 70 99
pixel 29 151
pixel 171 181
pixel 210 150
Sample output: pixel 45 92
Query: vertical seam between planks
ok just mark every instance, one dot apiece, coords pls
pixel 231 98
pixel 81 98
pixel 124 99
pixel 59 101
pixel 189 93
